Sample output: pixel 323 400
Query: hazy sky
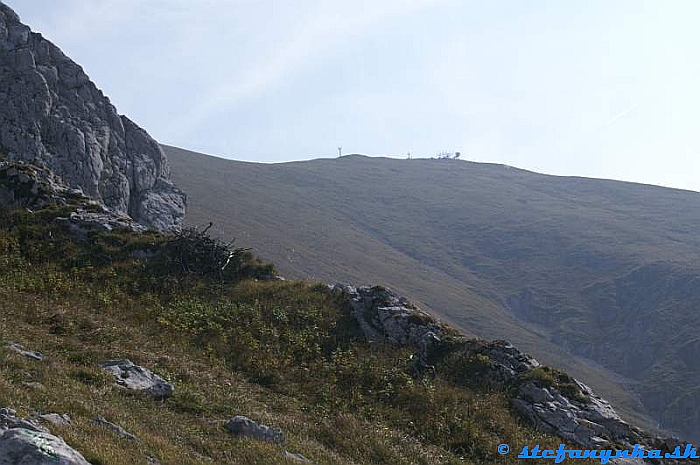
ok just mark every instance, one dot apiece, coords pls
pixel 593 88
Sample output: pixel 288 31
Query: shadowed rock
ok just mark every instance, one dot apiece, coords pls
pixel 81 223
pixel 34 188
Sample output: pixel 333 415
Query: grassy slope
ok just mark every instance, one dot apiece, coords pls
pixel 284 353
pixel 558 265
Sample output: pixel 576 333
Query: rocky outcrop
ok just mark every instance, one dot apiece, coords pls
pixel 34 188
pixel 245 427
pixel 571 410
pixel 25 185
pixel 53 116
pixel 591 424
pixel 385 317
pixel 131 376
pixel 505 361
pixel 81 222
pixel 25 442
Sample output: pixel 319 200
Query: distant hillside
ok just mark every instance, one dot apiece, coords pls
pixel 598 277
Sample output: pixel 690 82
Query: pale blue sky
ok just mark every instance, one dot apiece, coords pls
pixel 592 88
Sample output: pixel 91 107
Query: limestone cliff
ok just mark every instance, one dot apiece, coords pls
pixel 53 116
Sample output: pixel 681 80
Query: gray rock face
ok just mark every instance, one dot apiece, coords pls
pixel 244 426
pixel 506 362
pixel 24 443
pixel 138 378
pixel 26 447
pixel 52 115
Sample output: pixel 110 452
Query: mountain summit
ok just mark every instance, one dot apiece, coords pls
pixel 53 116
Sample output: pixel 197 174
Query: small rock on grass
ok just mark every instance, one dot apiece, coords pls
pixel 131 376
pixel 27 353
pixel 34 385
pixel 121 432
pixel 294 457
pixel 57 419
pixel 244 426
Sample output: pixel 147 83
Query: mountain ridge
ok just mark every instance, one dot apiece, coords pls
pixel 419 159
